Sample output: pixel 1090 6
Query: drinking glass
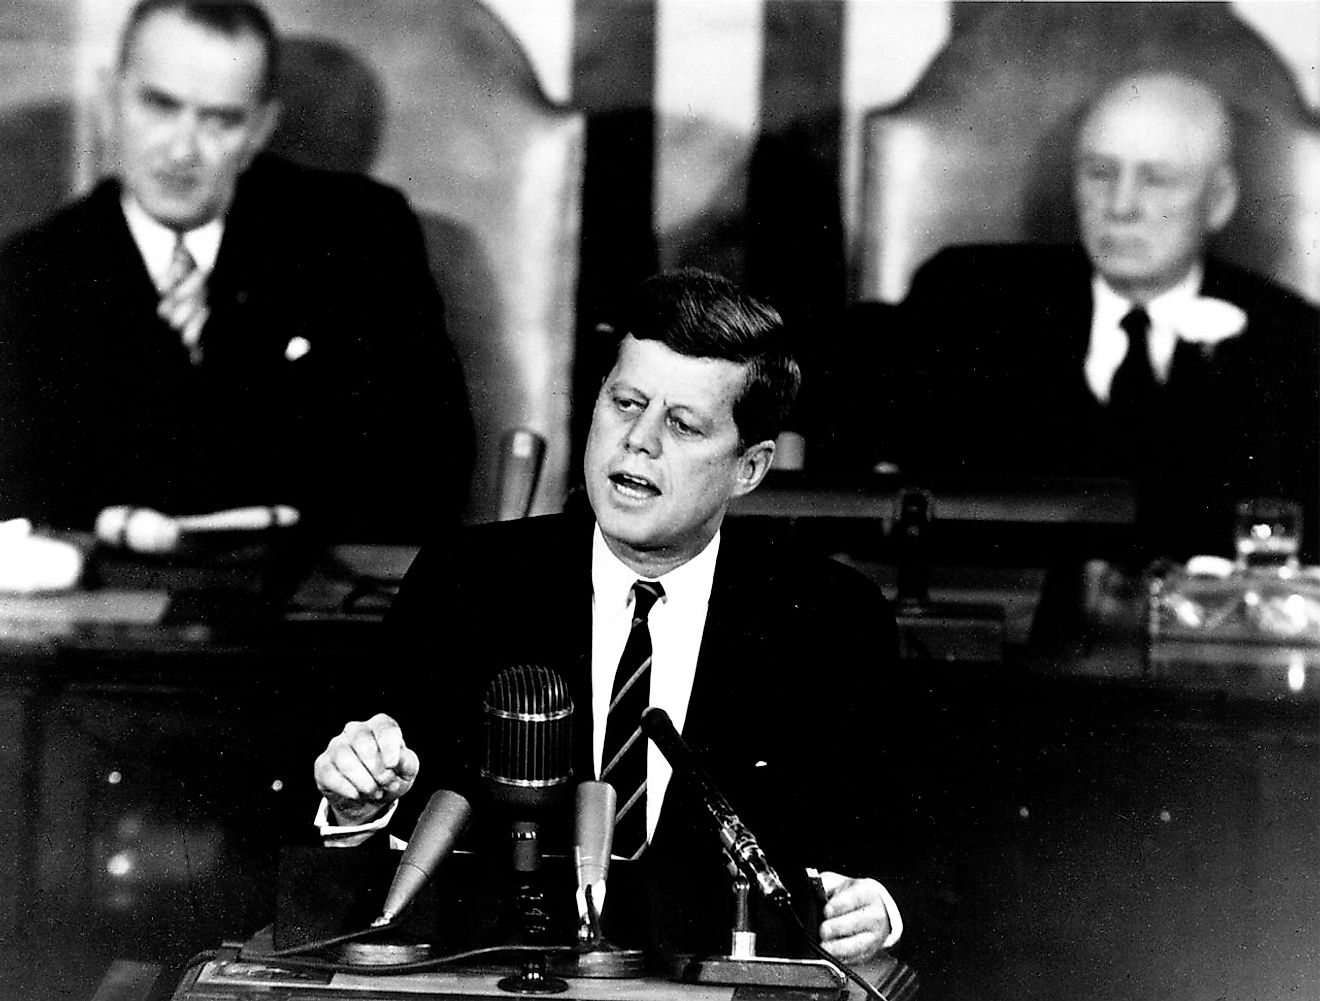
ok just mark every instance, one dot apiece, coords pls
pixel 1267 533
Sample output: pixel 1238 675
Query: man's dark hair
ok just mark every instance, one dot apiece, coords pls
pixel 224 17
pixel 704 315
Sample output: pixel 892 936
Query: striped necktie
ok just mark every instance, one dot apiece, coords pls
pixel 624 756
pixel 183 299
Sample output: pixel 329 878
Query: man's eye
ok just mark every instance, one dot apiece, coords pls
pixel 158 102
pixel 682 427
pixel 1159 179
pixel 625 404
pixel 224 120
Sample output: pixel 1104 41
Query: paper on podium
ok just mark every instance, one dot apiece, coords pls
pixel 47 616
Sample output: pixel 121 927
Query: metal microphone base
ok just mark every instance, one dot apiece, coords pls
pixel 603 963
pixel 763 971
pixel 383 953
pixel 533 980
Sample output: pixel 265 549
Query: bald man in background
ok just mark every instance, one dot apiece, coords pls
pixel 1134 354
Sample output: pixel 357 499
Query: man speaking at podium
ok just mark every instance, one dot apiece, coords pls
pixel 770 665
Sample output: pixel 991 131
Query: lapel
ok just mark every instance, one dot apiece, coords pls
pixel 244 253
pixel 257 292
pixel 123 327
pixel 1073 306
pixel 570 625
pixel 1194 366
pixel 1066 298
pixel 123 287
pixel 729 639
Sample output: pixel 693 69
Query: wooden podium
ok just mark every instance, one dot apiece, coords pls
pixel 238 973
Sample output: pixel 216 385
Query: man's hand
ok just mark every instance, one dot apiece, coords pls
pixel 365 769
pixel 856 920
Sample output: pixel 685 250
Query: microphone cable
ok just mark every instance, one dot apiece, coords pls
pixel 293 957
pixel 325 943
pixel 906 980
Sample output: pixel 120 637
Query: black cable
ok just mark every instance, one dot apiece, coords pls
pixel 325 943
pixel 285 957
pixel 838 964
pixel 205 956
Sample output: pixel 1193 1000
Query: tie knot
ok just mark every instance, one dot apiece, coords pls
pixel 182 264
pixel 645 594
pixel 1136 324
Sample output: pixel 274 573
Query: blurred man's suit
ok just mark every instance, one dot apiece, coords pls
pixel 793 650
pixel 993 338
pixel 326 379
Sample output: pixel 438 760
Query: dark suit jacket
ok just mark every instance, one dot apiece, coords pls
pixel 368 432
pixel 788 710
pixel 982 364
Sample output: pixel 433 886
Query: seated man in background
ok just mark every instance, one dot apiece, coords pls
pixel 1135 355
pixel 214 327
pixel 775 667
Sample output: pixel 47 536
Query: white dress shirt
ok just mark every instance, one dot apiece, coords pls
pixel 677 623
pixel 155 242
pixel 1109 343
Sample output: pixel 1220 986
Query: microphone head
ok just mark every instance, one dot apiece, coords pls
pixel 528 760
pixel 522 454
pixel 595 831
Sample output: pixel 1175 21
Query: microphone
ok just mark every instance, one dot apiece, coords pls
pixel 596 802
pixel 522 452
pixel 433 838
pixel 738 841
pixel 899 982
pixel 595 837
pixel 527 766
pixel 528 760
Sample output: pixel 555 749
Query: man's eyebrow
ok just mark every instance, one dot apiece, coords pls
pixel 157 94
pixel 690 412
pixel 226 109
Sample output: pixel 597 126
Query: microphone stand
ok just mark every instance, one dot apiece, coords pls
pixel 595 955
pixel 743 967
pixel 532 978
pixel 528 737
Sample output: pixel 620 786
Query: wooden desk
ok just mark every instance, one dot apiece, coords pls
pixel 1061 502
pixel 153 737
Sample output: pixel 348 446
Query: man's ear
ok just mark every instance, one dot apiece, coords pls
pixel 105 112
pixel 753 464
pixel 1221 197
pixel 263 126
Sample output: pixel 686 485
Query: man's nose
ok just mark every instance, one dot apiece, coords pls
pixel 643 434
pixel 1124 196
pixel 183 142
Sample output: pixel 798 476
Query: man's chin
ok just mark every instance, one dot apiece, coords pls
pixel 176 213
pixel 632 528
pixel 1120 270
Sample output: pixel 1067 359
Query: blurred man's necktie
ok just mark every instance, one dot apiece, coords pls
pixel 1134 386
pixel 183 299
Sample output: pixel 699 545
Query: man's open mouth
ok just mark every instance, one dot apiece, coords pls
pixel 634 486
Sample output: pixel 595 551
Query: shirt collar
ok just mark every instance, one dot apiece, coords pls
pixel 1163 310
pixel 612 579
pixel 155 242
